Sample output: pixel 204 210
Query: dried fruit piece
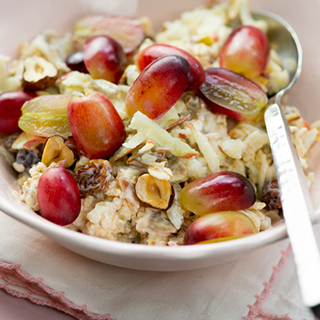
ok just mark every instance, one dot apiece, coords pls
pixel 38 74
pixel 58 148
pixel 25 159
pixel 229 93
pixel 154 192
pixel 94 177
pixel 127 31
pixel 9 141
pixel 271 195
pixel 219 226
pixel 46 115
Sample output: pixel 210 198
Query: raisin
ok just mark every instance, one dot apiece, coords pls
pixel 271 195
pixel 27 158
pixel 8 142
pixel 94 177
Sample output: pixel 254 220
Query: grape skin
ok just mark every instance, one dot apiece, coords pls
pixel 75 61
pixel 156 51
pixel 219 191
pixel 10 109
pixel 219 226
pixel 95 125
pixel 104 58
pixel 246 52
pixel 58 196
pixel 158 87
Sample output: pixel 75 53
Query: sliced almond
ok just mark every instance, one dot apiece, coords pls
pixel 160 171
pixel 38 73
pixel 292 117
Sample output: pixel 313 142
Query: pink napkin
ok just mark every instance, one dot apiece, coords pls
pixel 261 285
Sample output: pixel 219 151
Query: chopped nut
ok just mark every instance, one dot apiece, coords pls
pixel 160 171
pixel 293 116
pixel 144 160
pixel 232 148
pixel 271 195
pixel 128 192
pixel 131 143
pixel 94 177
pixel 150 190
pixel 154 227
pixel 147 147
pixel 38 73
pixel 58 148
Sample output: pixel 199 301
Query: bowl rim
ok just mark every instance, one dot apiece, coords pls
pixel 56 232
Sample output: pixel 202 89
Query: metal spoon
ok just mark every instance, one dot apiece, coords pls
pixel 296 202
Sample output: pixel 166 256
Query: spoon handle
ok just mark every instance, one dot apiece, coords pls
pixel 296 204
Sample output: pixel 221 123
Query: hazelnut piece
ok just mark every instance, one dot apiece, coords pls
pixel 38 73
pixel 154 192
pixel 58 148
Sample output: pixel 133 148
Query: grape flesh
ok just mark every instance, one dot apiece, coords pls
pixel 58 196
pixel 46 116
pixel 227 92
pixel 221 191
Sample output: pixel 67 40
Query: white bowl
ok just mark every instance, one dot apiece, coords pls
pixel 20 20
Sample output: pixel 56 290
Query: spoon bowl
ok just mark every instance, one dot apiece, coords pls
pixel 285 41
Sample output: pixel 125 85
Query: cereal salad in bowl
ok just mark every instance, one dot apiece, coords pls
pixel 125 134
